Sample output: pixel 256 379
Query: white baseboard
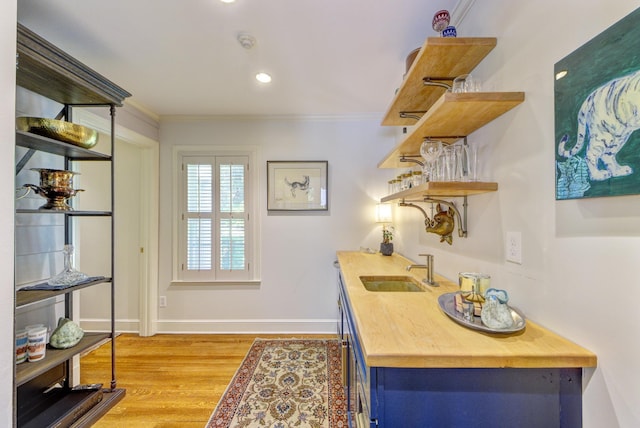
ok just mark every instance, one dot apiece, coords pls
pixel 264 326
pixel 101 325
pixel 251 326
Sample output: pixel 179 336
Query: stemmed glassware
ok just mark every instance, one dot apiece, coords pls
pixel 430 150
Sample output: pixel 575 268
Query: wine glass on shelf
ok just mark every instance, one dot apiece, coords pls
pixel 430 150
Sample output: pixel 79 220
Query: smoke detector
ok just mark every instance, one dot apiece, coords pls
pixel 246 40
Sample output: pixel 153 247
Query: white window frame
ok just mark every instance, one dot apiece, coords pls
pixel 252 202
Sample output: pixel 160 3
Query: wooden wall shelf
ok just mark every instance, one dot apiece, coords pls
pixel 454 116
pixel 439 57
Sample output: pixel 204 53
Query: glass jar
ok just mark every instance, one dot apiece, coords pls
pixel 406 180
pixel 416 178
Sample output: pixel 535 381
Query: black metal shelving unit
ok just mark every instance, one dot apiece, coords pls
pixel 45 69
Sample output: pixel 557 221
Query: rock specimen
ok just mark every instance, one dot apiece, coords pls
pixel 66 334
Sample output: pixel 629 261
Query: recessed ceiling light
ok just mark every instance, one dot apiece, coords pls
pixel 227 1
pixel 263 77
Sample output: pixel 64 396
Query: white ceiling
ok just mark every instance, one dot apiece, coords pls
pixel 181 57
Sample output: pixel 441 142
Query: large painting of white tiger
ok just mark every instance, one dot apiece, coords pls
pixel 597 112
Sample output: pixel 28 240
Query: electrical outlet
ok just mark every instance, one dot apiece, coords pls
pixel 163 301
pixel 514 247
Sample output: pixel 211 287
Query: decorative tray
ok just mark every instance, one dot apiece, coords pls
pixel 46 286
pixel 448 305
pixel 68 132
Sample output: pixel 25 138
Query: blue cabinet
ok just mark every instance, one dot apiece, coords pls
pixel 454 397
pixel 358 375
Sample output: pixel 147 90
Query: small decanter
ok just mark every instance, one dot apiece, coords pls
pixel 69 276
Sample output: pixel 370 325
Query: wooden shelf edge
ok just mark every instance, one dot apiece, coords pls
pixel 29 370
pixel 462 54
pixel 444 189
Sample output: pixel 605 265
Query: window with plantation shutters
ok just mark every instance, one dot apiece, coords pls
pixel 215 230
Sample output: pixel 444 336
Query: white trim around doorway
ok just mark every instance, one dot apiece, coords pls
pixel 149 189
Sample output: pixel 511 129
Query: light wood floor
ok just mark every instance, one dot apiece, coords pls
pixel 171 380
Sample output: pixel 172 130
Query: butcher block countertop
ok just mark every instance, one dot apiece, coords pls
pixel 409 330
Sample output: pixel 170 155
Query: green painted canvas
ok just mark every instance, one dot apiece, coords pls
pixel 597 114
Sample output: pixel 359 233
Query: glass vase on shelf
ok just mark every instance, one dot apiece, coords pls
pixel 68 276
pixel 471 152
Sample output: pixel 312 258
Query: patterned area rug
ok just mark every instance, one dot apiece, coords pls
pixel 284 384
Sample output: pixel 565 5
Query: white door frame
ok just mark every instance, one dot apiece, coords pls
pixel 149 203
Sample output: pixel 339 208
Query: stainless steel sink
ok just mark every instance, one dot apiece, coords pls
pixel 391 283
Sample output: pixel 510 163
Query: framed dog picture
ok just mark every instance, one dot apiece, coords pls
pixel 297 186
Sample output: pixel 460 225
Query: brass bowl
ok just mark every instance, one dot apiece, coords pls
pixel 68 132
pixel 52 178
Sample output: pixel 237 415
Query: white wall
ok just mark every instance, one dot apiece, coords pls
pixel 298 290
pixel 7 136
pixel 578 275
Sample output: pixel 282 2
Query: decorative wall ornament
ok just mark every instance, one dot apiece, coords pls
pixel 597 114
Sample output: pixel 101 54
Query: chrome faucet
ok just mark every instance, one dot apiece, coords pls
pixel 429 267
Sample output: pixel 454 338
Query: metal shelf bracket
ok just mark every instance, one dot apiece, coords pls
pixel 440 223
pixel 410 158
pixel 438 81
pixel 415 115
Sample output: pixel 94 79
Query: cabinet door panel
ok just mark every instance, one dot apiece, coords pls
pixel 481 397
